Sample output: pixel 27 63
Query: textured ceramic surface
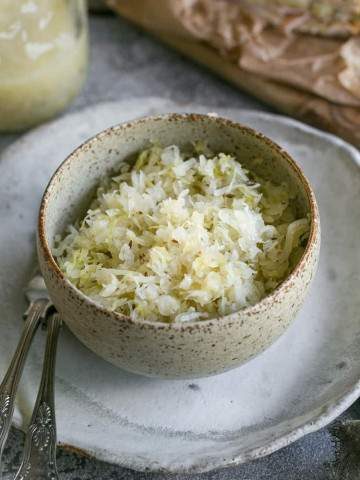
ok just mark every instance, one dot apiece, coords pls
pixel 193 349
pixel 299 384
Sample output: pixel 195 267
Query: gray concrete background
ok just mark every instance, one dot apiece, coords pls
pixel 125 63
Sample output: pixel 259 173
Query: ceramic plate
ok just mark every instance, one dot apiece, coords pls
pixel 307 378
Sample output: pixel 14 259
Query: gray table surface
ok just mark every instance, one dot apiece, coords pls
pixel 126 62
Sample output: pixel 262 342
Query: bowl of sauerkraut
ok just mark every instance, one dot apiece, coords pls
pixel 178 245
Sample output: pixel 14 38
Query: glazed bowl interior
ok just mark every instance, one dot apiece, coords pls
pixel 74 184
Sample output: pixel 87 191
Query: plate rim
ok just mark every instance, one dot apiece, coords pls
pixel 324 415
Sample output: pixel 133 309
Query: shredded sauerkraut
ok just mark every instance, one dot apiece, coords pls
pixel 183 238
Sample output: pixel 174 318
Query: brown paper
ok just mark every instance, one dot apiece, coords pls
pixel 308 62
pixel 328 18
pixel 341 117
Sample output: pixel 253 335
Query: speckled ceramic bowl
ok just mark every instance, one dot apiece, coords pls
pixel 193 349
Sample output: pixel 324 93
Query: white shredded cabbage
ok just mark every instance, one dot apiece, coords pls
pixel 181 238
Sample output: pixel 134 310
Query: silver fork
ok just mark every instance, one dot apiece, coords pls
pixel 39 308
pixel 39 305
pixel 39 459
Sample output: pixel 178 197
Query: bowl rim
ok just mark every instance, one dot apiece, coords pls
pixel 192 117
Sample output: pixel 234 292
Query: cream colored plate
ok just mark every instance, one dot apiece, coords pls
pixel 301 383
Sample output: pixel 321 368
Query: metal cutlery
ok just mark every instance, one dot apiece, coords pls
pixel 39 459
pixel 40 442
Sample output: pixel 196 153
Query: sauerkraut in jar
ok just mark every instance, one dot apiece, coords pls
pixel 43 59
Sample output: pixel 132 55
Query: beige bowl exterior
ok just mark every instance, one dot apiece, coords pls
pixel 193 349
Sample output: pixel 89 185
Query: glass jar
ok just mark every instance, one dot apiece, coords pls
pixel 43 59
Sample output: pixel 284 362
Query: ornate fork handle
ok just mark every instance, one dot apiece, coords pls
pixel 39 460
pixel 10 383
